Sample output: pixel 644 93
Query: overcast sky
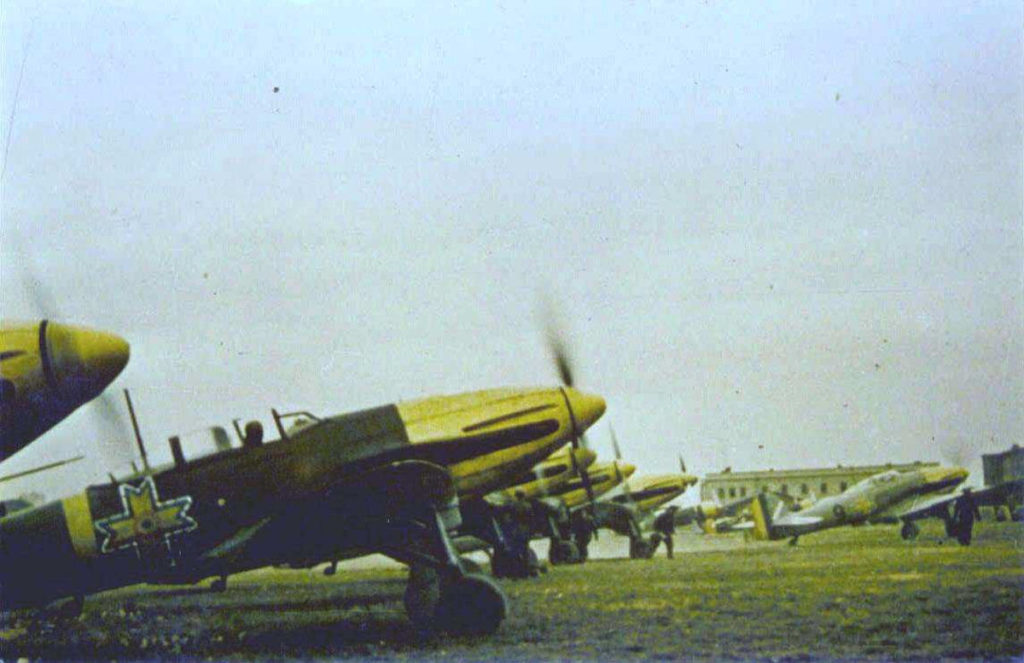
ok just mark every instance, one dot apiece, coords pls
pixel 778 235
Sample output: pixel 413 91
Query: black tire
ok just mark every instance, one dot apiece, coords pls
pixel 471 606
pixel 640 549
pixel 563 552
pixel 908 531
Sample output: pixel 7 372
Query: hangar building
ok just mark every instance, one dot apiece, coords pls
pixel 819 482
pixel 1002 467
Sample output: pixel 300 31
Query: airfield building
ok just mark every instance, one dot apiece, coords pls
pixel 818 482
pixel 1002 467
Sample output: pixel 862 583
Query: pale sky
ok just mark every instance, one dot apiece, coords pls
pixel 781 235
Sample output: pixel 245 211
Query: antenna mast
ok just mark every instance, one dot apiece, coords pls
pixel 138 436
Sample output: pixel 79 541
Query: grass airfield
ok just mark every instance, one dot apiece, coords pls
pixel 852 593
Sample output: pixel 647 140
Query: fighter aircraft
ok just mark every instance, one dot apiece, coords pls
pixel 47 371
pixel 628 512
pixel 906 496
pixel 549 474
pixel 712 517
pixel 384 480
pixel 506 525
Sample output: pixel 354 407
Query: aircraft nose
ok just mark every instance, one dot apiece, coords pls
pixel 944 475
pixel 89 360
pixel 584 457
pixel 586 408
pixel 103 355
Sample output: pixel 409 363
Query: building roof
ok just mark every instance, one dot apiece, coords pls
pixel 838 470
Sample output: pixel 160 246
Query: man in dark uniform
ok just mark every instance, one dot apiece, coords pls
pixel 582 531
pixel 964 512
pixel 665 525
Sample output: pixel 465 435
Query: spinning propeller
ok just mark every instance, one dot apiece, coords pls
pixel 115 433
pixel 618 458
pixel 560 354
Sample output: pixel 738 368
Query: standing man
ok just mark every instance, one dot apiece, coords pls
pixel 965 510
pixel 665 525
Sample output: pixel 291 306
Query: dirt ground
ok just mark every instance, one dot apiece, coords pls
pixel 853 593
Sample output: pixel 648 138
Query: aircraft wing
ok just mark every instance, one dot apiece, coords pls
pixel 999 494
pixel 916 508
pixel 938 506
pixel 368 511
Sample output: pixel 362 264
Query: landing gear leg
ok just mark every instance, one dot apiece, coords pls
pixel 440 596
pixel 412 527
pixel 331 569
pixel 793 541
pixel 639 548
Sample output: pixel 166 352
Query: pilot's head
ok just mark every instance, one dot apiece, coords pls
pixel 253 434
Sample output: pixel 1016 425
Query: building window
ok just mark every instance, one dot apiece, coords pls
pixel 721 493
pixel 785 489
pixel 803 489
pixel 743 491
pixel 842 486
pixel 732 492
pixel 824 488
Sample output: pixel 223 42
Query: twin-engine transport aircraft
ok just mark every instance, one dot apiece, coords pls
pixel 906 496
pixel 47 371
pixel 385 480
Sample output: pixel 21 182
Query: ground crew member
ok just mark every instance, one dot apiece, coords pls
pixel 665 525
pixel 965 510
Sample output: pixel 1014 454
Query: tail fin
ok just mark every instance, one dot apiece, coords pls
pixel 761 511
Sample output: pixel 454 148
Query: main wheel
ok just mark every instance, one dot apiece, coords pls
pixel 470 605
pixel 563 552
pixel 640 549
pixel 908 531
pixel 513 565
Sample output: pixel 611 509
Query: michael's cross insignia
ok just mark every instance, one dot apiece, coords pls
pixel 146 522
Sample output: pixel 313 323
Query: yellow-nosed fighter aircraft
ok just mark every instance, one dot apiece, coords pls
pixel 549 474
pixel 385 480
pixel 47 371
